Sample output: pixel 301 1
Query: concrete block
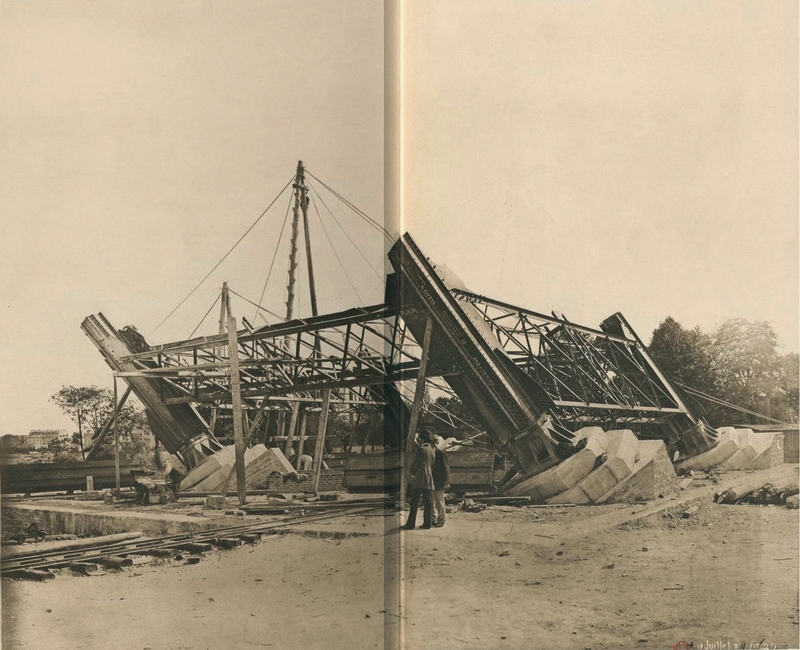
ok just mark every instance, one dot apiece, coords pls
pixel 727 445
pixel 568 472
pixel 623 447
pixel 773 455
pixel 574 495
pixel 652 475
pixel 215 501
pixel 216 480
pixel 208 467
pixel 690 512
pixel 229 542
pixel 265 463
pixel 751 445
pixel 621 451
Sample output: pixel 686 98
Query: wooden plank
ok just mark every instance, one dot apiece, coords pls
pixel 292 428
pixel 117 480
pixel 236 400
pixel 320 446
pixel 416 408
pixel 302 443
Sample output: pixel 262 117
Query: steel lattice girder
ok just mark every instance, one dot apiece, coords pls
pixel 346 351
pixel 590 375
pixel 527 375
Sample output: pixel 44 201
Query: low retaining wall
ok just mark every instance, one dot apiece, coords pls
pixel 78 521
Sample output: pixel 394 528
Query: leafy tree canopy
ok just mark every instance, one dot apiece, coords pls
pixel 738 362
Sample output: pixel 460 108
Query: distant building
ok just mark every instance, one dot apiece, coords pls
pixel 39 438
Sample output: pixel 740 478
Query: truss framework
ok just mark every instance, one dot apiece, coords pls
pixel 591 376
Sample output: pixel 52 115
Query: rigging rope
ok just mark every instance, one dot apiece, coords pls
pixel 274 256
pixel 224 257
pixel 219 295
pixel 374 270
pixel 357 210
pixel 260 307
pixel 338 259
pixel 721 402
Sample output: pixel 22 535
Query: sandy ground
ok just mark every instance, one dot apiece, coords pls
pixel 728 574
pixel 572 578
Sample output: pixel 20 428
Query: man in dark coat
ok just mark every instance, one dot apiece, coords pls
pixel 422 481
pixel 441 481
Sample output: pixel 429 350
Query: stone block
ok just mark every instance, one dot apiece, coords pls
pixel 215 501
pixel 229 542
pixel 208 467
pixel 773 456
pixel 623 447
pixel 727 445
pixel 652 476
pixel 751 445
pixel 568 472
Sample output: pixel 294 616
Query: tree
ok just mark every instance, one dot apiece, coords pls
pixel 738 363
pixel 91 407
pixel 749 371
pixel 684 355
pixel 83 405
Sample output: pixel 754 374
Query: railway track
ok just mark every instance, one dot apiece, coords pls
pixel 192 542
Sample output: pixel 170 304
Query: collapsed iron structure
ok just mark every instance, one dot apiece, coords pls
pixel 530 378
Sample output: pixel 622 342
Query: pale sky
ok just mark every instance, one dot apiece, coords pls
pixel 589 157
pixel 594 157
pixel 138 141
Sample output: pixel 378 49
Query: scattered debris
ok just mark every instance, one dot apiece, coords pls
pixel 690 512
pixel 468 505
pixel 84 567
pixel 505 553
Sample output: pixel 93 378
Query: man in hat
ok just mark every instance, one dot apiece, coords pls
pixel 422 481
pixel 441 481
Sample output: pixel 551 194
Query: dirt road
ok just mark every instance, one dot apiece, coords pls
pixel 729 574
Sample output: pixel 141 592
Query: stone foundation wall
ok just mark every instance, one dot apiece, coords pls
pixel 656 478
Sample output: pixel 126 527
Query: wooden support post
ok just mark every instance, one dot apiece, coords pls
pixel 236 395
pixel 320 446
pixel 367 437
pixel 266 428
pixel 292 428
pixel 416 409
pixel 116 442
pixel 106 427
pixel 281 423
pixel 302 443
pixel 213 424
